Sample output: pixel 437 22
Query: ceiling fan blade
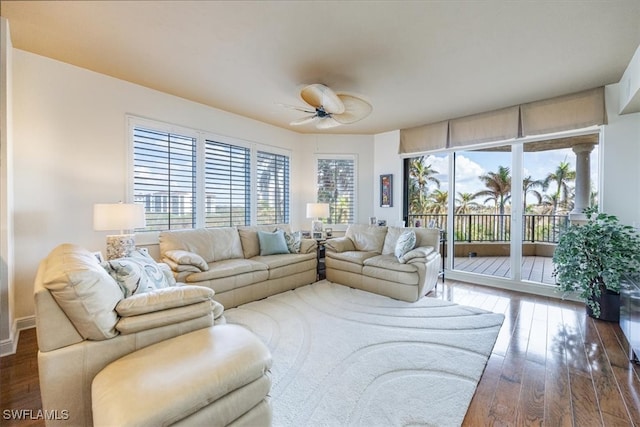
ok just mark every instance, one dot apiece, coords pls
pixel 304 120
pixel 327 123
pixel 318 95
pixel 295 107
pixel 355 109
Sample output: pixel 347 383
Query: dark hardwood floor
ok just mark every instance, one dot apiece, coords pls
pixel 551 366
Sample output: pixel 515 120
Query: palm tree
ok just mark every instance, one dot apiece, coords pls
pixel 465 203
pixel 438 201
pixel 562 176
pixel 498 187
pixel 529 187
pixel 499 190
pixel 420 176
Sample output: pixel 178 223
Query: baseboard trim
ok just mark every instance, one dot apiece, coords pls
pixel 9 346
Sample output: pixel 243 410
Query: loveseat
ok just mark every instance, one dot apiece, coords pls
pixel 92 340
pixel 401 263
pixel 241 264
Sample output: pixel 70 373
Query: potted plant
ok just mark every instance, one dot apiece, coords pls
pixel 590 259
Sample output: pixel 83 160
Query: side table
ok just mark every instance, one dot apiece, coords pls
pixel 321 269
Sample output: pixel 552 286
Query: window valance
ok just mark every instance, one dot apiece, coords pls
pixel 574 111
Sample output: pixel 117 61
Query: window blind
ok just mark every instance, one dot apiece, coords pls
pixel 272 172
pixel 227 184
pixel 336 186
pixel 165 178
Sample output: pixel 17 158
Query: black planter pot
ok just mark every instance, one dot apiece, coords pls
pixel 609 306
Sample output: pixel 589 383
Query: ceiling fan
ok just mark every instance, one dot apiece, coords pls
pixel 330 109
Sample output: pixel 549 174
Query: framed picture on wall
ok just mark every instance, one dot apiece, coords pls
pixel 386 191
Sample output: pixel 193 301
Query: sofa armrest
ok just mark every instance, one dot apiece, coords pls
pixel 340 244
pixel 165 307
pixel 178 259
pixel 308 246
pixel 418 254
pixel 163 299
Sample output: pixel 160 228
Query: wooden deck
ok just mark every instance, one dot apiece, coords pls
pixel 534 268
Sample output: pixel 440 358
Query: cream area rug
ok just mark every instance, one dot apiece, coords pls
pixel 345 357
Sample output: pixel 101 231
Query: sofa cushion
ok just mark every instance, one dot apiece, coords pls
pixel 227 268
pixel 389 262
pixel 187 259
pixel 249 237
pixel 272 243
pixel 281 260
pixel 212 244
pixel 355 257
pixel 162 299
pixel 367 237
pixel 84 290
pixel 405 243
pixel 391 239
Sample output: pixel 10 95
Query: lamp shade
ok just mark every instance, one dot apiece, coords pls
pixel 118 216
pixel 317 210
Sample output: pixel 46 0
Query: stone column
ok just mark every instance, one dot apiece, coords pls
pixel 583 180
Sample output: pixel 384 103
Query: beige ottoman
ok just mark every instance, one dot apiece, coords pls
pixel 215 376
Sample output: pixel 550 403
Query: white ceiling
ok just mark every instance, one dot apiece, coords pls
pixel 417 62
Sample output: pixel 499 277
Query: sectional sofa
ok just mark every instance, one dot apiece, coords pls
pixel 241 264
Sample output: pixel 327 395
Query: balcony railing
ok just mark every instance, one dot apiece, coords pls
pixel 496 227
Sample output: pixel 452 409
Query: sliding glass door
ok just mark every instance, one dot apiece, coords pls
pixel 503 207
pixel 482 211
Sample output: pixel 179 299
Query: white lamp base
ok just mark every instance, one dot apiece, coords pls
pixel 120 245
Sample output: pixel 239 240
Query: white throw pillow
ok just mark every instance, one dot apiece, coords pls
pixel 406 242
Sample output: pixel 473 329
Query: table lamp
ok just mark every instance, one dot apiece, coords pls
pixel 118 216
pixel 317 211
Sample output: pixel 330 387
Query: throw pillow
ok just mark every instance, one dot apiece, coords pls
pixel 406 242
pixel 272 243
pixel 294 240
pixel 137 273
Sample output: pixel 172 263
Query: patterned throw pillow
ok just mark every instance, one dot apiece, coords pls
pixel 406 242
pixel 137 273
pixel 293 240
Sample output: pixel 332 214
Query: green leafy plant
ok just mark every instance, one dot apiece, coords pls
pixel 590 258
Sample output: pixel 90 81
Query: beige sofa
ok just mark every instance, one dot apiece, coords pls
pixel 365 259
pixel 85 326
pixel 228 260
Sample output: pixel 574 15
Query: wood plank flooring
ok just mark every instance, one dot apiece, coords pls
pixel 551 366
pixel 534 268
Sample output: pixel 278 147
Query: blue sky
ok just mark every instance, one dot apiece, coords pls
pixel 471 164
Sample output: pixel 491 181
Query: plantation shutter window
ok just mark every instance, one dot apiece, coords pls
pixel 272 174
pixel 336 186
pixel 164 178
pixel 227 185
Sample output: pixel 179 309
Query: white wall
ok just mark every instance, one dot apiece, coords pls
pixel 70 152
pixel 620 159
pixel 388 162
pixel 7 284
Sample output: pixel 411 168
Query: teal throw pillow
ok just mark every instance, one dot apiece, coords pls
pixel 405 243
pixel 272 243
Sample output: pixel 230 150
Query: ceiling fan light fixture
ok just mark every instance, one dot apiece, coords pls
pixel 329 108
